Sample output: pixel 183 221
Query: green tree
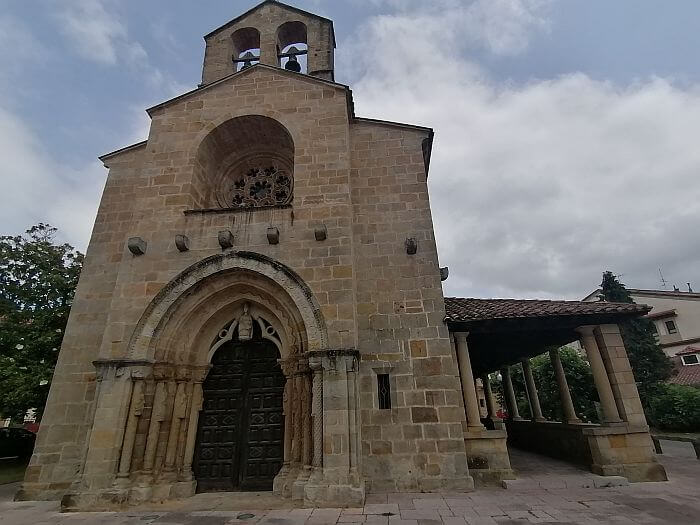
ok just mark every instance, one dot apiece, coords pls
pixel 37 283
pixel 649 364
pixel 578 376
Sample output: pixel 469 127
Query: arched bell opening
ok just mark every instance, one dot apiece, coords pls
pixel 246 48
pixel 292 47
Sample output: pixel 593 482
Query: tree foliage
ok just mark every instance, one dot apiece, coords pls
pixel 578 375
pixel 675 407
pixel 37 283
pixel 649 364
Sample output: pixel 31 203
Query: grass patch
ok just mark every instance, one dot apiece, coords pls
pixel 12 471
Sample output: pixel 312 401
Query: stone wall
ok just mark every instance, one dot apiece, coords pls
pixel 66 423
pixel 418 444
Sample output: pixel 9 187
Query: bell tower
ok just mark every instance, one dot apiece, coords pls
pixel 274 34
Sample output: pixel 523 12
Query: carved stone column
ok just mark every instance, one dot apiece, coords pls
pixel 317 415
pixel 471 402
pixel 135 413
pixel 282 484
pixel 302 429
pixel 531 387
pixel 600 375
pixel 307 449
pixel 158 415
pixel 567 405
pixel 179 413
pixel 196 404
pixel 297 404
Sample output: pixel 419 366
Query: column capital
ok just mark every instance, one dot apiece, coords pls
pixel 316 364
pixel 460 336
pixel 585 330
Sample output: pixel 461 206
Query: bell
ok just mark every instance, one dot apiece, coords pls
pixel 293 65
pixel 248 57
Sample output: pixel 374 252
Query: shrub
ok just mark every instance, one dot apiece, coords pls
pixel 675 407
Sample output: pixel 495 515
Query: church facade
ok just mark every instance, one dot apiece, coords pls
pixel 261 307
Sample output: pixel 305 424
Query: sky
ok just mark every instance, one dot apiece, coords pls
pixel 566 130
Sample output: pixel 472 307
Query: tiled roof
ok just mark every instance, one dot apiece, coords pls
pixel 689 350
pixel 685 374
pixel 465 309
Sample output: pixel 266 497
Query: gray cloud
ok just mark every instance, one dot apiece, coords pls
pixel 538 188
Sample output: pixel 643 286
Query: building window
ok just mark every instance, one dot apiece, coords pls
pixel 384 391
pixel 691 359
pixel 671 327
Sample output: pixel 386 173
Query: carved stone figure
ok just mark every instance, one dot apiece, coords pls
pixel 245 325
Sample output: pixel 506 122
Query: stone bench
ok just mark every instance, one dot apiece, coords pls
pixel 656 438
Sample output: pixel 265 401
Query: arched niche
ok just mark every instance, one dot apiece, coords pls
pixel 184 321
pixel 246 47
pixel 246 162
pixel 292 45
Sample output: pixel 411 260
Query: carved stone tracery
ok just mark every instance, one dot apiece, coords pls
pixel 256 181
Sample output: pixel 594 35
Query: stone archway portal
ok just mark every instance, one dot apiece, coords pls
pixel 240 439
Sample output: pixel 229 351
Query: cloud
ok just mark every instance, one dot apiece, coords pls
pixel 24 48
pixel 95 33
pixel 538 188
pixel 503 27
pixel 38 189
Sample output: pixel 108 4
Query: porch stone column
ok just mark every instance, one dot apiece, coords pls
pixel 510 399
pixel 600 375
pixel 490 401
pixel 532 392
pixel 567 404
pixel 622 382
pixel 471 403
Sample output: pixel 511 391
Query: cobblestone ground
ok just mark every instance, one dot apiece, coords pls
pixel 553 496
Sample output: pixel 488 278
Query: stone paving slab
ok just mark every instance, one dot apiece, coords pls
pixel 675 502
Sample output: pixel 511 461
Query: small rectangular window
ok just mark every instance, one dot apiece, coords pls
pixel 691 359
pixel 671 327
pixel 384 391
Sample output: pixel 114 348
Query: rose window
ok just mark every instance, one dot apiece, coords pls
pixel 257 186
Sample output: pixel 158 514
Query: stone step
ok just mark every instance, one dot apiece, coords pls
pixel 564 482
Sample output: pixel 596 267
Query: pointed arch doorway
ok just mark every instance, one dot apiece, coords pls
pixel 240 437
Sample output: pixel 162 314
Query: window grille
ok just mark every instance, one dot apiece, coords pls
pixel 384 391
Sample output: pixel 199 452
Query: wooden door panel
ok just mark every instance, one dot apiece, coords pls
pixel 241 426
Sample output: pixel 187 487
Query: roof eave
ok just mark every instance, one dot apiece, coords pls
pixel 119 151
pixel 201 88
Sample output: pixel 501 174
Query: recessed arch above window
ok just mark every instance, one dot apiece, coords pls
pixel 246 47
pixel 292 46
pixel 246 162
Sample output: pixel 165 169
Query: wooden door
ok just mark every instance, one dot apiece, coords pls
pixel 241 426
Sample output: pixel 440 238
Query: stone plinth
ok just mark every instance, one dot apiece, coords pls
pixel 487 455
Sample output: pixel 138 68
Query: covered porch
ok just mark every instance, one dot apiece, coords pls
pixel 501 336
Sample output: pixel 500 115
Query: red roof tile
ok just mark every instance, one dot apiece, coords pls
pixel 467 309
pixel 689 350
pixel 685 374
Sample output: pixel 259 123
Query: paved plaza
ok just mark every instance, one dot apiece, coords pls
pixel 554 492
